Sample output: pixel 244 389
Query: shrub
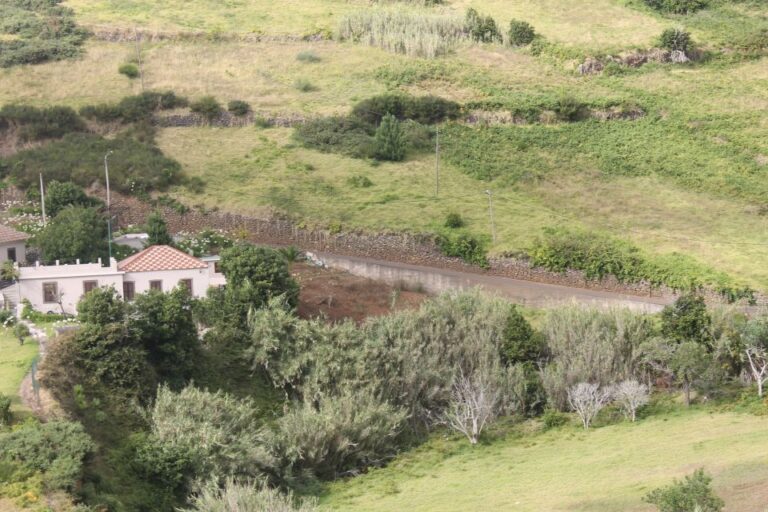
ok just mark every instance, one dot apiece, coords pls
pixel 101 306
pixel 79 157
pixel 454 221
pixel 304 85
pixel 5 410
pixel 56 449
pixel 552 418
pixel 482 29
pixel 32 124
pixel 346 135
pixel 568 108
pixel 133 109
pixel 207 106
pixel 390 142
pixel 308 56
pixel 676 39
pixel 59 195
pixel 464 246
pixel 693 493
pixel 520 33
pixel 422 109
pixel 677 6
pixel 238 108
pixel 359 181
pixel 247 497
pixel 130 70
pixel 400 31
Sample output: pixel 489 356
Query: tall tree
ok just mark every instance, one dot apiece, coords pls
pixel 75 233
pixel 59 195
pixel 157 230
pixel 687 320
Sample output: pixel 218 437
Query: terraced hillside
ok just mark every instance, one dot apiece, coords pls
pixel 684 173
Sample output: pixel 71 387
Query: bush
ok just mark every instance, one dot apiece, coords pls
pixel 33 124
pixel 568 108
pixel 464 246
pixel 553 418
pixel 359 181
pixel 308 56
pixel 676 39
pixel 133 109
pixel 304 85
pixel 400 31
pixel 346 135
pixel 238 108
pixel 520 33
pixel 101 306
pixel 422 109
pixel 78 157
pixel 482 29
pixel 247 497
pixel 130 70
pixel 677 6
pixel 692 494
pixel 56 449
pixel 5 410
pixel 59 195
pixel 454 221
pixel 390 142
pixel 207 106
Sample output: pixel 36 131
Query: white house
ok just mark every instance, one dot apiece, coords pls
pixel 12 244
pixel 58 288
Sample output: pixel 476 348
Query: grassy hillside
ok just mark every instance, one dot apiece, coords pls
pixel 686 177
pixel 607 469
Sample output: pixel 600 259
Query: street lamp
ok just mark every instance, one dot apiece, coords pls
pixel 109 202
pixel 490 213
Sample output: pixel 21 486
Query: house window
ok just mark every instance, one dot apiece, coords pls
pixel 156 285
pixel 217 267
pixel 89 286
pixel 51 293
pixel 12 254
pixel 129 291
pixel 186 283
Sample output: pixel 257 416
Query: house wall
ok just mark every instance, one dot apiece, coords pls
pixel 69 281
pixel 21 251
pixel 170 278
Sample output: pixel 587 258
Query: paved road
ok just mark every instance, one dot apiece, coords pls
pixel 522 292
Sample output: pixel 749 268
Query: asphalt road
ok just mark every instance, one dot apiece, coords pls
pixel 530 293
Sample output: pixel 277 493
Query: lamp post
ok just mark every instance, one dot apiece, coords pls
pixel 109 202
pixel 490 213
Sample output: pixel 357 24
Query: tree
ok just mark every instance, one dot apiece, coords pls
pixel 758 366
pixel 157 230
pixel 390 141
pixel 694 494
pixel 521 343
pixel 755 338
pixel 5 410
pixel 684 362
pixel 631 395
pixel 687 320
pixel 101 306
pixel 75 233
pixel 250 497
pixel 474 404
pixel 59 195
pixel 676 39
pixel 520 33
pixel 587 400
pixel 21 331
pixel 166 328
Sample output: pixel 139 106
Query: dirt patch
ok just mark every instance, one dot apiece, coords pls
pixel 338 295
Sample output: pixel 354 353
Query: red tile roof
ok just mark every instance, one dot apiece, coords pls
pixel 8 234
pixel 160 257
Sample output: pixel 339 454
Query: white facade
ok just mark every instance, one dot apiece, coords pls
pixel 13 251
pixel 57 288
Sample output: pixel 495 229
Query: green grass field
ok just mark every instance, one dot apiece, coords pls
pixel 603 470
pixel 15 362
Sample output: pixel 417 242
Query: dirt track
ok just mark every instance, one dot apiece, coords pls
pixel 523 292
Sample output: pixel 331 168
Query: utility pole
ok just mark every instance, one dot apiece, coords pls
pixel 490 212
pixel 437 161
pixel 109 203
pixel 42 198
pixel 138 57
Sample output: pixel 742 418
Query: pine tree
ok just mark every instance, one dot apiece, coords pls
pixel 157 230
pixel 390 141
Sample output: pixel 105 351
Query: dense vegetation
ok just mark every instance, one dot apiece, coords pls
pixel 37 31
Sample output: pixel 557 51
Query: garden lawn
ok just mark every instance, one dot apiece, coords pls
pixel 15 362
pixel 606 469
